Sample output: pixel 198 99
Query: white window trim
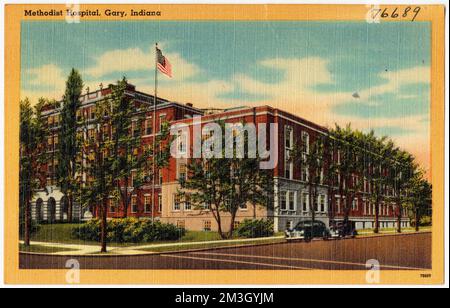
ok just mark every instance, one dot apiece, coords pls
pixel 145 207
pixel 131 204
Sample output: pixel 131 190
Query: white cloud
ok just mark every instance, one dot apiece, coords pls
pixel 48 81
pixel 296 94
pixel 396 79
pixel 123 61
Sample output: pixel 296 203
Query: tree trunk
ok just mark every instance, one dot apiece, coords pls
pixel 125 199
pixel 221 233
pixel 219 224
pixel 104 225
pixel 69 208
pixel 377 217
pixel 27 223
pixel 417 218
pixel 399 223
pixel 399 219
pixel 231 231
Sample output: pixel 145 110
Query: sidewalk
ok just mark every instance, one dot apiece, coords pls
pixel 134 250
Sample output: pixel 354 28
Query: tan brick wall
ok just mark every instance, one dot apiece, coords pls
pixel 196 220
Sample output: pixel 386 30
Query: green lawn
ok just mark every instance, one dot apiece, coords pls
pixel 395 229
pixel 41 249
pixel 62 233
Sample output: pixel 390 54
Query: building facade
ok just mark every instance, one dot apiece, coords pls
pixel 291 200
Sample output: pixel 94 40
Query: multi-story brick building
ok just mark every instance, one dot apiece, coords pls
pixel 291 202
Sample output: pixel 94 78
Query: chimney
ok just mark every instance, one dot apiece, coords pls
pixel 190 105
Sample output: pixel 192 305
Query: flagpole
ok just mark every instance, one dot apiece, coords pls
pixel 154 132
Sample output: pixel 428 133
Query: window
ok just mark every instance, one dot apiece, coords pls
pixel 113 204
pixel 182 172
pixel 291 201
pixel 305 142
pixel 283 201
pixel 134 208
pixel 289 140
pixel 243 207
pixel 322 203
pixel 182 142
pixel 55 141
pixel 91 134
pixel 305 173
pixel 79 117
pixel 160 174
pixel 50 144
pixel 162 119
pixel 338 204
pixel 207 206
pixel 355 204
pixel 187 203
pixel 148 126
pixel 288 137
pixel 147 204
pixel 207 225
pixel 135 128
pixel 305 202
pixel 133 177
pixel 160 203
pixel 176 202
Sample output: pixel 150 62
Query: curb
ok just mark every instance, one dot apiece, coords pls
pixel 209 249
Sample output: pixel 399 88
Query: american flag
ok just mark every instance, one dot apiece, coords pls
pixel 163 64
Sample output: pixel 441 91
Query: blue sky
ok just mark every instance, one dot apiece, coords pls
pixel 308 68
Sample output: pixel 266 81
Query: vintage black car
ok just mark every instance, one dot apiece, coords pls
pixel 342 230
pixel 308 230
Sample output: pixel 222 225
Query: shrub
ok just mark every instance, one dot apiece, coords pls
pixel 129 230
pixel 425 221
pixel 251 228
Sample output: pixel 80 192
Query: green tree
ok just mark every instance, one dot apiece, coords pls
pixel 311 157
pixel 32 175
pixel 402 171
pixel 67 178
pixel 348 165
pixel 98 161
pixel 133 163
pixel 224 185
pixel 419 197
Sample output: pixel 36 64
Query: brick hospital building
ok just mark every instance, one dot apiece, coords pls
pixel 291 202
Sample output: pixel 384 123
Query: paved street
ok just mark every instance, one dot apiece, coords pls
pixel 408 251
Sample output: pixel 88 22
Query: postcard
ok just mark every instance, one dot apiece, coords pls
pixel 224 144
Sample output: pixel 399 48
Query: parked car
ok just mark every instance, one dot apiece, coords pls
pixel 342 230
pixel 308 230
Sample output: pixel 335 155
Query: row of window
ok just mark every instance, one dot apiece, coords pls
pixel 289 201
pixel 147 206
pixel 368 208
pixel 207 226
pixel 184 203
